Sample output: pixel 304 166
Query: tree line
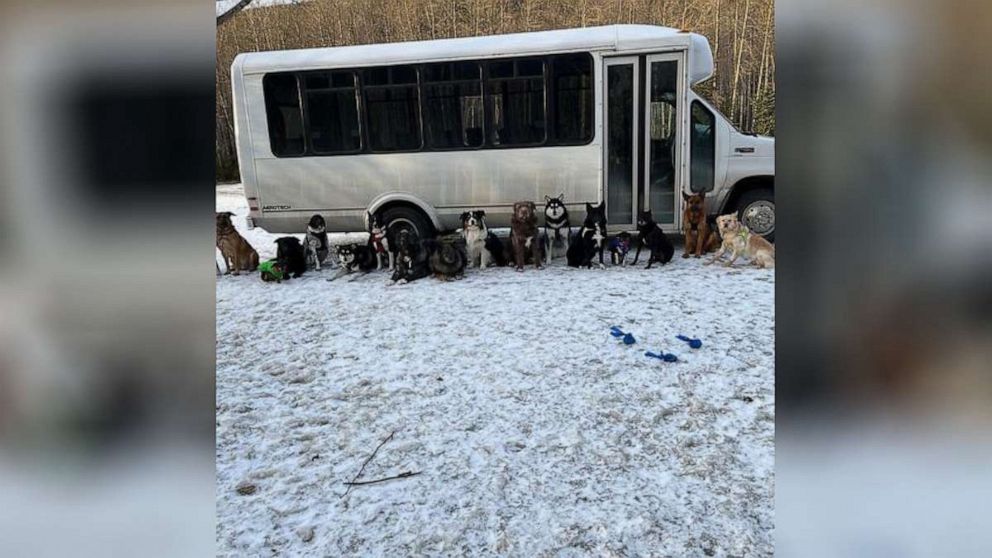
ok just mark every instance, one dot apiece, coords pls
pixel 741 34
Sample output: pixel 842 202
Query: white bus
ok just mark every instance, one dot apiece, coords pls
pixel 420 132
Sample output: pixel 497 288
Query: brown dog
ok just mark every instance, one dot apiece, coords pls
pixel 523 234
pixel 238 254
pixel 699 238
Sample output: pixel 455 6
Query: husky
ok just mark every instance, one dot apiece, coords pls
pixel 379 243
pixel 556 225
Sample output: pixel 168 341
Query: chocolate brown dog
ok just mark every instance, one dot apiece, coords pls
pixel 523 234
pixel 699 237
pixel 238 254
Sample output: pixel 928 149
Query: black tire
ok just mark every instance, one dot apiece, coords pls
pixel 756 209
pixel 402 217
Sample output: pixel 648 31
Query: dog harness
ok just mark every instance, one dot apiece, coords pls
pixel 377 243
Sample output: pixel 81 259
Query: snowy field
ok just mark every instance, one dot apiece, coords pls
pixel 536 433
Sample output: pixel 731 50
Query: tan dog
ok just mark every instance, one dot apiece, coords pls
pixel 737 239
pixel 698 236
pixel 238 254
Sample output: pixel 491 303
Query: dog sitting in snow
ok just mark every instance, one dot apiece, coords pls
pixel 651 235
pixel 315 247
pixel 478 245
pixel 379 242
pixel 523 234
pixel 619 247
pixel 591 238
pixel 699 238
pixel 289 255
pixel 556 225
pixel 739 240
pixel 237 253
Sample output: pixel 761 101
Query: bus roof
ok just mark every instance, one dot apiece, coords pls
pixel 616 38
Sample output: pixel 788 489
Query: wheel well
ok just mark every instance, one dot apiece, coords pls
pixel 400 203
pixel 746 185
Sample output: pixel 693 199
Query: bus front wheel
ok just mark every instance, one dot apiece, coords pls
pixel 401 217
pixel 756 209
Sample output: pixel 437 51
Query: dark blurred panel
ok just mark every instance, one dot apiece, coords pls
pixel 106 334
pixel 884 338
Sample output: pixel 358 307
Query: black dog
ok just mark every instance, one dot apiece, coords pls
pixel 290 257
pixel 497 250
pixel 651 235
pixel 447 259
pixel 411 258
pixel 591 238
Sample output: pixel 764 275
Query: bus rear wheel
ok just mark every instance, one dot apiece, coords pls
pixel 401 217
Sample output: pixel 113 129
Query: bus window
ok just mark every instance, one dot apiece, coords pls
pixel 572 87
pixel 515 93
pixel 282 110
pixel 453 105
pixel 332 112
pixel 702 149
pixel 392 108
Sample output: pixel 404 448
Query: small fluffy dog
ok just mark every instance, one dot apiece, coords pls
pixel 477 242
pixel 591 238
pixel 523 234
pixel 290 257
pixel 271 271
pixel 651 235
pixel 738 240
pixel 354 257
pixel 411 258
pixel 379 242
pixel 315 247
pixel 556 225
pixel 619 247
pixel 238 254
pixel 699 238
pixel 446 259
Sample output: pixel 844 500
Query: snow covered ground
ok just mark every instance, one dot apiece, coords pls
pixel 536 433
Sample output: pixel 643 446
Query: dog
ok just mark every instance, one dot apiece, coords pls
pixel 290 256
pixel 446 259
pixel 523 234
pixel 411 258
pixel 477 239
pixel 315 247
pixel 738 240
pixel 699 238
pixel 651 235
pixel 619 247
pixel 556 225
pixel 496 249
pixel 238 254
pixel 379 243
pixel 354 258
pixel 591 238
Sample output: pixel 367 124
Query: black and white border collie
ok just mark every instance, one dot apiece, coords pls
pixel 476 234
pixel 556 225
